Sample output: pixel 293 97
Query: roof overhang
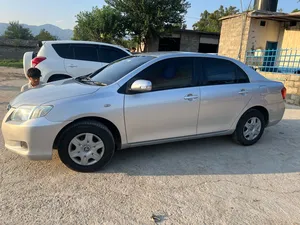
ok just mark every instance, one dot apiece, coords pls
pixel 264 15
pixel 279 18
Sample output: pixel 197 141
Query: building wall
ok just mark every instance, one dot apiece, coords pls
pixel 232 39
pixel 189 42
pixel 289 42
pixel 259 35
pixel 15 49
pixel 292 84
pixel 290 37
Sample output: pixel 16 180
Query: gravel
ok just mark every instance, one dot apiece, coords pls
pixel 208 181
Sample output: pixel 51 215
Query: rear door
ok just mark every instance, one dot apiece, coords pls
pixel 82 59
pixel 225 92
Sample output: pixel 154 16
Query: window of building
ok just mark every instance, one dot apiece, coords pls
pixel 262 23
pixel 293 23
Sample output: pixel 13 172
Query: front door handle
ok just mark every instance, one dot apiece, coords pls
pixel 243 92
pixel 72 66
pixel 191 97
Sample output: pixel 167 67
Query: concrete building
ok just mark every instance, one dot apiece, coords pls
pixel 257 31
pixel 268 41
pixel 187 40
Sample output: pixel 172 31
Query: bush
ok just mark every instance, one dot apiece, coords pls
pixel 11 63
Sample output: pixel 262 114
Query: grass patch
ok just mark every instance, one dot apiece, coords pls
pixel 11 63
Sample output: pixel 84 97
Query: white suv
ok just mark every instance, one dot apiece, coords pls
pixel 59 60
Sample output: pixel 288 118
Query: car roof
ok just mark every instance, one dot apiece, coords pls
pixel 84 42
pixel 171 53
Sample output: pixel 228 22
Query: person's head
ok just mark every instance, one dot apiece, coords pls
pixel 34 75
pixel 133 49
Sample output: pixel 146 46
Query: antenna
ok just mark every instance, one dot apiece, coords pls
pixel 249 5
pixel 242 5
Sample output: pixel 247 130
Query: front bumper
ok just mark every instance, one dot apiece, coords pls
pixel 32 139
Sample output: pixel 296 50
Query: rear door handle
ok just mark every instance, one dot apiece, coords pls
pixel 243 92
pixel 191 97
pixel 72 66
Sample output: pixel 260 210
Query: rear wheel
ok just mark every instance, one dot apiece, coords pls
pixel 250 128
pixel 86 146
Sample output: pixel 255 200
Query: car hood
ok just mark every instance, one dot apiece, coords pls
pixel 53 91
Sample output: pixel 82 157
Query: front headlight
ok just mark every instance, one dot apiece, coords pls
pixel 24 113
pixel 41 111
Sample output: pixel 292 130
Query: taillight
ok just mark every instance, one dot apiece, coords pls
pixel 283 92
pixel 37 60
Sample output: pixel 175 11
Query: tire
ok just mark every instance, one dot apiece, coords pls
pixel 79 149
pixel 243 135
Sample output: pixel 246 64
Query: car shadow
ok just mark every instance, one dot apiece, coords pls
pixel 277 152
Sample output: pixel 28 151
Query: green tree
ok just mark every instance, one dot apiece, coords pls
pixel 146 20
pixel 17 31
pixel 280 10
pixel 105 24
pixel 210 22
pixel 45 36
pixel 296 10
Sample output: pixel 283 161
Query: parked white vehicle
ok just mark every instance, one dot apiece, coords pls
pixel 59 60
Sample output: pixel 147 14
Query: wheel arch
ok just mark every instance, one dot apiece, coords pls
pixel 262 110
pixel 111 126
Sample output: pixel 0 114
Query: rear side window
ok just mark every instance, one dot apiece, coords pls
pixel 109 54
pixel 62 50
pixel 221 71
pixel 85 52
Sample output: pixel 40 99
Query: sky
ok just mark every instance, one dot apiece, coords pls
pixel 62 12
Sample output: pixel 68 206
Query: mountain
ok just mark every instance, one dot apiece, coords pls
pixel 62 34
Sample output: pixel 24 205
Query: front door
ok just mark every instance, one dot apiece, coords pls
pixel 225 92
pixel 170 110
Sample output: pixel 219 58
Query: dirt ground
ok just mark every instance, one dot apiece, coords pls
pixel 208 181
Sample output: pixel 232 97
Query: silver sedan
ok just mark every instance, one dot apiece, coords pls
pixel 142 100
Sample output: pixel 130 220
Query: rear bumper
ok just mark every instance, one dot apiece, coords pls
pixel 32 139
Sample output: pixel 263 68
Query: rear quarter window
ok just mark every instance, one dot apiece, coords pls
pixel 62 50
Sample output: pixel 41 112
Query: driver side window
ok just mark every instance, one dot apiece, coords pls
pixel 169 74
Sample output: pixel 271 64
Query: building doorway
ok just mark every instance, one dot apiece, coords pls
pixel 270 57
pixel 208 48
pixel 169 44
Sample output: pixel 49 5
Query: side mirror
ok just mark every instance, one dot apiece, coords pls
pixel 141 86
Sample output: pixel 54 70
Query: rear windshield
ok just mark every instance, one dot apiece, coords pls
pixel 120 68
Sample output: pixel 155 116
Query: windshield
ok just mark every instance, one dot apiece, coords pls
pixel 118 69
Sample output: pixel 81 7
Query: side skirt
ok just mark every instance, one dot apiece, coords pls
pixel 185 138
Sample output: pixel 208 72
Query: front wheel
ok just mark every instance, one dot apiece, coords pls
pixel 250 128
pixel 86 146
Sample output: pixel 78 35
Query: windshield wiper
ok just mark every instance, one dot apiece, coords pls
pixel 87 79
